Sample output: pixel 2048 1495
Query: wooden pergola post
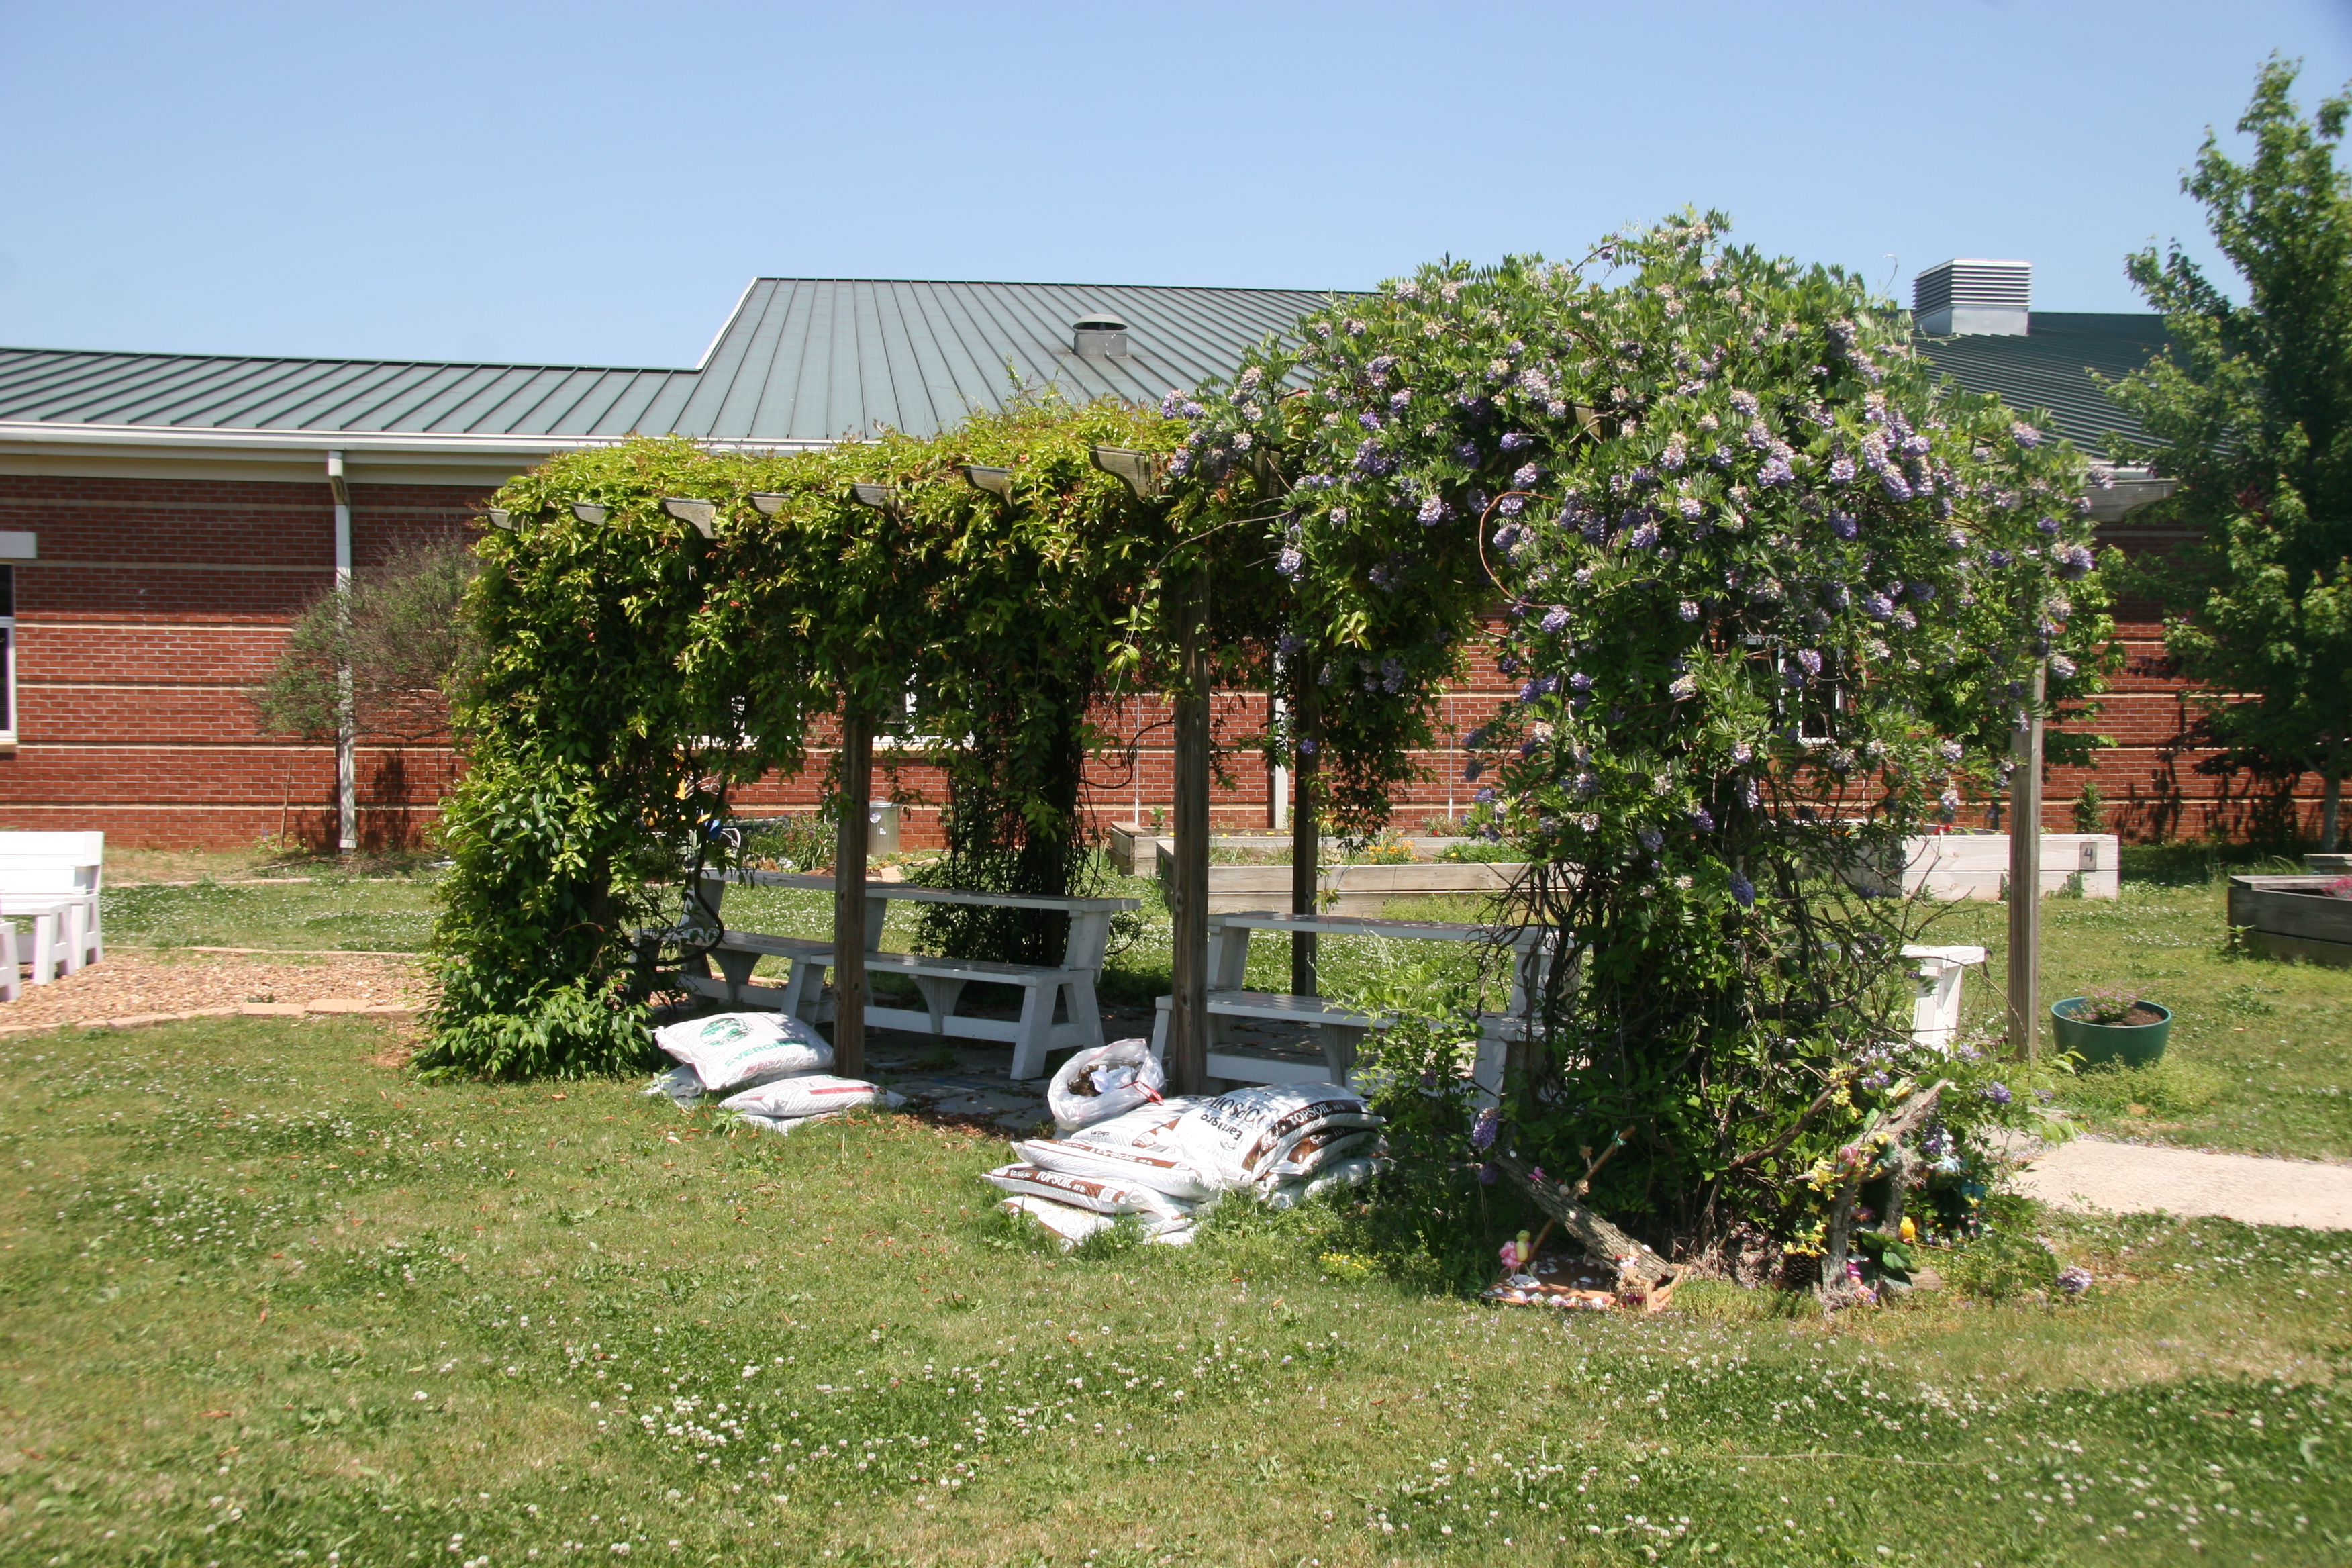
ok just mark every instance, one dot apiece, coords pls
pixel 1187 1057
pixel 2025 879
pixel 1305 825
pixel 849 891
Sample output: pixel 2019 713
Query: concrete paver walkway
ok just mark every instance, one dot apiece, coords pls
pixel 2130 1178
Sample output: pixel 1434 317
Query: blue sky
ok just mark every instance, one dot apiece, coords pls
pixel 595 183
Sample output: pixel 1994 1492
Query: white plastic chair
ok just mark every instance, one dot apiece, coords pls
pixel 57 878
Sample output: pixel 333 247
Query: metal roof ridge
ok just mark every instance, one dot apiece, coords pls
pixel 1051 283
pixel 335 359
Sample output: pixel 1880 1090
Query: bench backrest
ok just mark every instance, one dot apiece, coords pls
pixel 34 863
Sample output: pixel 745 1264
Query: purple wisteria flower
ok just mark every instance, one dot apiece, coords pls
pixel 1743 891
pixel 1687 610
pixel 1844 525
pixel 2062 668
pixel 1651 839
pixel 1775 472
pixel 1515 439
pixel 1923 592
pixel 1997 1093
pixel 1290 562
pixel 1643 537
pixel 2046 525
pixel 1432 513
pixel 2025 435
pixel 1580 681
pixel 1556 618
pixel 1841 469
pixel 1369 420
pixel 1486 1174
pixel 1482 1131
pixel 1997 558
pixel 1879 607
pixel 1810 659
pixel 1526 477
pixel 2074 561
pixel 1703 820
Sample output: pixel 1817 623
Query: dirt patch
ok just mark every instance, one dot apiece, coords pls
pixel 126 984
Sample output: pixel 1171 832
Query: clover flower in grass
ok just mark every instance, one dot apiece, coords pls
pixel 2073 1281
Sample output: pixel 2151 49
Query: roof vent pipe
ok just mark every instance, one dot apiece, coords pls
pixel 1104 336
pixel 1960 299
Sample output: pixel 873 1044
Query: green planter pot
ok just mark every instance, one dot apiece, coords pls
pixel 2133 1045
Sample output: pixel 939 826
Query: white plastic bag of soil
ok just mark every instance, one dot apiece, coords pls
pixel 1103 1081
pixel 810 1094
pixel 1103 1195
pixel 734 1050
pixel 1234 1139
pixel 1326 1147
pixel 1339 1173
pixel 784 1126
pixel 1135 1147
pixel 1073 1226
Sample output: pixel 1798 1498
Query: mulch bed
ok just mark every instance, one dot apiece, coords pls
pixel 149 987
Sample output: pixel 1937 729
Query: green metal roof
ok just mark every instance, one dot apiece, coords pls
pixel 806 360
pixel 2047 367
pixel 801 360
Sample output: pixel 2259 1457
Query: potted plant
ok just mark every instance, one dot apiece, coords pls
pixel 2110 1023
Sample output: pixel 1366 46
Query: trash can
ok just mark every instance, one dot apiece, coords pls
pixel 882 827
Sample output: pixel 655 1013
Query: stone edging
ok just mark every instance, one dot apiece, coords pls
pixel 248 1009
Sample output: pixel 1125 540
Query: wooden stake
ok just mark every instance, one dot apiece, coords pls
pixel 1188 895
pixel 849 893
pixel 2025 880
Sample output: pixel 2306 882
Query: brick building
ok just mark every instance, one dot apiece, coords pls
pixel 163 518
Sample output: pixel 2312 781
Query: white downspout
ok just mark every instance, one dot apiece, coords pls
pixel 347 826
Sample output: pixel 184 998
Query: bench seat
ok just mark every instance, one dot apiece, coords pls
pixel 939 980
pixel 1339 1029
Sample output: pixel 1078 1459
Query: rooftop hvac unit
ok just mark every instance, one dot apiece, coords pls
pixel 1961 298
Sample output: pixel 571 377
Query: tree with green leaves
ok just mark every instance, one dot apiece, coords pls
pixel 2251 412
pixel 396 631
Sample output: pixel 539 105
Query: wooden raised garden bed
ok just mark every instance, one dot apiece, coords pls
pixel 2292 917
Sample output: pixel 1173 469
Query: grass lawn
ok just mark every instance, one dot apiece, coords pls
pixel 268 1301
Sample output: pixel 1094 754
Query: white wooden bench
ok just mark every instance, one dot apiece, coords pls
pixel 55 880
pixel 1067 987
pixel 1337 1027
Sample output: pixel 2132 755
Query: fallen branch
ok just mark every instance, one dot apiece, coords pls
pixel 1852 1163
pixel 1597 1235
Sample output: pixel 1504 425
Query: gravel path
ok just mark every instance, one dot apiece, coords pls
pixel 144 985
pixel 2133 1178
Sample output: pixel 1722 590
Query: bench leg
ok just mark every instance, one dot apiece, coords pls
pixel 1036 1026
pixel 72 923
pixel 1339 1042
pixel 1487 1072
pixel 45 949
pixel 803 988
pixel 940 992
pixel 1160 1028
pixel 12 984
pixel 1085 1013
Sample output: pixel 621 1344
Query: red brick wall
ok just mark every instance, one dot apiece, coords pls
pixel 159 605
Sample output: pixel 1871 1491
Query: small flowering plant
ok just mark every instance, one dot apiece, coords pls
pixel 2105 1005
pixel 1774 597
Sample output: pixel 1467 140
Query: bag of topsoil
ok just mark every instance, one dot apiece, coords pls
pixel 1104 1194
pixel 1318 1149
pixel 1350 1173
pixel 1103 1081
pixel 1134 1147
pixel 1234 1139
pixel 809 1094
pixel 732 1050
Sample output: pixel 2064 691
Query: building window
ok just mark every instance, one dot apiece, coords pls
pixel 7 654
